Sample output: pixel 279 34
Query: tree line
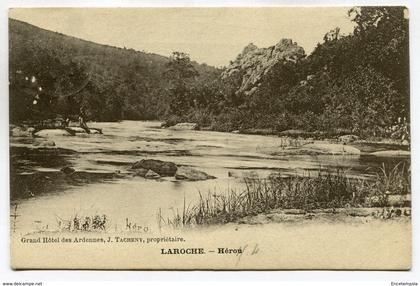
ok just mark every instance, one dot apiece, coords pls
pixel 356 83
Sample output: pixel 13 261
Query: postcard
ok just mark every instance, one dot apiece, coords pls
pixel 218 138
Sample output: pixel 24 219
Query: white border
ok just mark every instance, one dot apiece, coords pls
pixel 312 277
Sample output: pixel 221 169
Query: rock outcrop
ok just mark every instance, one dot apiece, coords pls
pixel 190 174
pixel 160 167
pixel 253 63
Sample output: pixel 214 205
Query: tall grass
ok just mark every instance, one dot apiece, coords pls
pixel 326 190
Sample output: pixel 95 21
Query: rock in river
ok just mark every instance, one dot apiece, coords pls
pixel 185 126
pixel 52 132
pixel 77 129
pixel 160 167
pixel 190 174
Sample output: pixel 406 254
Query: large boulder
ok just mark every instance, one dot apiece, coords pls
pixel 52 132
pixel 185 126
pixel 190 174
pixel 160 167
pixel 254 63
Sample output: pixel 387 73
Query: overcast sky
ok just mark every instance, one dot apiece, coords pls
pixel 210 35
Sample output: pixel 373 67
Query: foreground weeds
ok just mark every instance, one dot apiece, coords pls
pixel 325 191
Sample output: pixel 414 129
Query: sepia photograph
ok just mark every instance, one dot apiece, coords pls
pixel 210 138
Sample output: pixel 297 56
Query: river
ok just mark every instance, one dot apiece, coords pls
pixel 103 184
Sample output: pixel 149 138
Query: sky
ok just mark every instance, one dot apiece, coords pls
pixel 209 35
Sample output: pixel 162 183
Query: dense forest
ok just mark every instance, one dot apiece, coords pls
pixel 356 83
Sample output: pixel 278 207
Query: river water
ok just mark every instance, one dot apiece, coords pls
pixel 103 185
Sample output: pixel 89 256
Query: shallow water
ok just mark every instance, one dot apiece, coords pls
pixel 102 185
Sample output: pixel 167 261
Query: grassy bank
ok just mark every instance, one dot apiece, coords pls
pixel 325 191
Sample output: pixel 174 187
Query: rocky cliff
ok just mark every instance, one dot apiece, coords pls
pixel 253 63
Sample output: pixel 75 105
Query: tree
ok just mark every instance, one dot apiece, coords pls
pixel 382 34
pixel 180 72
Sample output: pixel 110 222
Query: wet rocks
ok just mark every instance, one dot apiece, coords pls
pixel 160 167
pixel 190 174
pixel 254 63
pixel 185 126
pixel 154 169
pixel 52 132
